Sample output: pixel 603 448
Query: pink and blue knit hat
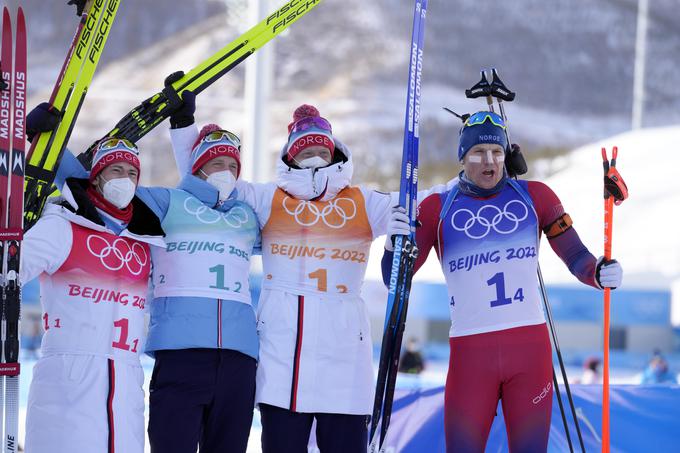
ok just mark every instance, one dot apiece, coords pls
pixel 308 129
pixel 212 142
pixel 111 150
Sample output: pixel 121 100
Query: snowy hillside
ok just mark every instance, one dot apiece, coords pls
pixel 645 239
pixel 350 58
pixel 571 65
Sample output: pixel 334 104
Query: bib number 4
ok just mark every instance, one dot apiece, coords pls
pixel 498 281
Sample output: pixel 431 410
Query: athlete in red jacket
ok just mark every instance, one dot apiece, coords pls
pixel 486 232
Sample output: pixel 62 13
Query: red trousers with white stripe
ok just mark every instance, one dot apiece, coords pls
pixel 513 365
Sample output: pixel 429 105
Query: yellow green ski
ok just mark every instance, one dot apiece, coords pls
pixel 67 97
pixel 151 112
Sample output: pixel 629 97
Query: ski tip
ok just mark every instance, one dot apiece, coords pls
pixel 21 21
pixel 6 21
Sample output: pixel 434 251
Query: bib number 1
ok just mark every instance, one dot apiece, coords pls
pixel 219 279
pixel 498 281
pixel 321 277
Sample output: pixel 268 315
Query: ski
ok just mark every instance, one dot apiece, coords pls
pixel 67 97
pixel 5 142
pixel 405 251
pixel 152 111
pixel 12 155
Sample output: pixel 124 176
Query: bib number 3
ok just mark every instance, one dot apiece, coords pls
pixel 498 281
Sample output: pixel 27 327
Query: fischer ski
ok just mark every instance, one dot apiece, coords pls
pixel 152 111
pixel 12 151
pixel 67 97
pixel 405 250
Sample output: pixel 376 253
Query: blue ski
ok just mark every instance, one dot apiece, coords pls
pixel 405 251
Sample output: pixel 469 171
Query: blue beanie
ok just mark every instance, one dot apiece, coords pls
pixel 482 127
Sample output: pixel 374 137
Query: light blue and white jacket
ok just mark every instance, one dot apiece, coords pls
pixel 201 295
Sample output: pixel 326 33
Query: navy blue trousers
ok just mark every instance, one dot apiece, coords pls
pixel 284 431
pixel 201 397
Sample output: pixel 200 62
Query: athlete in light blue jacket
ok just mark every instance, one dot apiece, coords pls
pixel 202 331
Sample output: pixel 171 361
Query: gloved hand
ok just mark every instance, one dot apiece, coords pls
pixel 398 224
pixel 80 5
pixel 184 115
pixel 515 164
pixel 42 118
pixel 608 274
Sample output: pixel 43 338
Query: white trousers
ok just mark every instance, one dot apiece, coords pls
pixel 85 403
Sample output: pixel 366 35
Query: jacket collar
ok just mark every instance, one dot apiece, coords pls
pixel 144 222
pixel 206 193
pixel 321 184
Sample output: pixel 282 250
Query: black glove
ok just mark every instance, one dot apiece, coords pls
pixel 184 107
pixel 43 118
pixel 184 115
pixel 80 6
pixel 514 161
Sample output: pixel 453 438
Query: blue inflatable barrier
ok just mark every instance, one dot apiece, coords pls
pixel 643 419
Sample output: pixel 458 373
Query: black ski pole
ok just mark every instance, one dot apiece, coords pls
pixel 497 89
pixel 548 312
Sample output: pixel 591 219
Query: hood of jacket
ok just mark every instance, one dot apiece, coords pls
pixel 316 184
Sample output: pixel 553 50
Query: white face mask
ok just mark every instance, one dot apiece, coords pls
pixel 119 191
pixel 313 162
pixel 223 181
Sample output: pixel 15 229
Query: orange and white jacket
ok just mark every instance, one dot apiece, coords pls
pixel 315 339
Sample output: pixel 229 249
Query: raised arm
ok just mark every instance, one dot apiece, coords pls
pixel 562 236
pixel 182 140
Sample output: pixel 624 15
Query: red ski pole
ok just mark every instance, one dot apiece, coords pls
pixel 615 191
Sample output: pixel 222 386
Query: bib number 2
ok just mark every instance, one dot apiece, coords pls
pixel 498 281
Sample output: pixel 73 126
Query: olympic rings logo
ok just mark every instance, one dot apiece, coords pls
pixel 489 217
pixel 235 218
pixel 121 253
pixel 335 214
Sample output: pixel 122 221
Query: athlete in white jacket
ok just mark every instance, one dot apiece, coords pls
pixel 92 256
pixel 315 340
